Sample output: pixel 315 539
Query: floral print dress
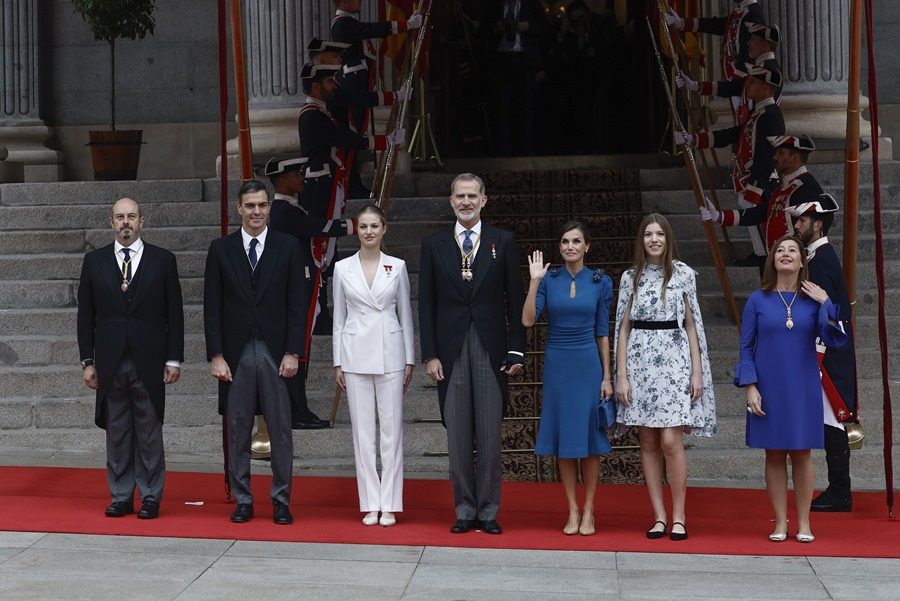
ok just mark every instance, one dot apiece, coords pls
pixel 659 361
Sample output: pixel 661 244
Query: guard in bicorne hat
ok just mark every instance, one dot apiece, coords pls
pixel 347 99
pixel 289 216
pixel 761 45
pixel 734 36
pixel 797 185
pixel 325 143
pixel 814 218
pixel 754 156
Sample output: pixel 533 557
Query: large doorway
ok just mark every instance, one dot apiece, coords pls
pixel 589 81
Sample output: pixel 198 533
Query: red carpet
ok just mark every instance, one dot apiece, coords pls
pixel 721 521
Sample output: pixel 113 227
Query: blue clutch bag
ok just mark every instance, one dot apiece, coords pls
pixel 606 413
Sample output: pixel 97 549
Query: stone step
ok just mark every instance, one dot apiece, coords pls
pixel 745 466
pixel 46 336
pixel 101 193
pixel 687 226
pixel 828 174
pixel 731 434
pixel 329 444
pixel 186 410
pixel 682 201
pixel 332 449
pixel 746 279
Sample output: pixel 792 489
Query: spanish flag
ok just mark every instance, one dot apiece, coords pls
pixel 688 9
pixel 394 46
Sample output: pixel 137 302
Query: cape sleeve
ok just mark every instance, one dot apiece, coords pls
pixel 703 412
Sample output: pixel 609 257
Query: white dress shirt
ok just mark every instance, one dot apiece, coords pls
pixel 261 243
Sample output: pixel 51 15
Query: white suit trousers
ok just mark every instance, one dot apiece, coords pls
pixel 365 393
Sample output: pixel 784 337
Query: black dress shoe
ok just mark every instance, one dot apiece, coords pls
pixel 461 526
pixel 149 510
pixel 311 423
pixel 491 527
pixel 119 509
pixel 832 502
pixel 242 513
pixel 678 535
pixel 281 514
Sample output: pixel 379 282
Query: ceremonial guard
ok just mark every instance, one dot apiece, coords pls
pixel 323 52
pixel 359 57
pixel 289 216
pixel 761 47
pixel 797 186
pixel 734 34
pixel 325 143
pixel 838 365
pixel 754 158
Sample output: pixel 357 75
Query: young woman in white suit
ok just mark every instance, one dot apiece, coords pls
pixel 373 362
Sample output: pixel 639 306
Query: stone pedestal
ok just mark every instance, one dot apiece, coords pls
pixel 814 57
pixel 22 131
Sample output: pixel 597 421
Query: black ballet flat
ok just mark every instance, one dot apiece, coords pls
pixel 678 535
pixel 655 534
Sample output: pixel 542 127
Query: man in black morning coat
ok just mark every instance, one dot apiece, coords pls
pixel 131 341
pixel 254 302
pixel 470 305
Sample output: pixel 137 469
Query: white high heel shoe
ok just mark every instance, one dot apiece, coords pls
pixel 805 538
pixel 387 519
pixel 370 519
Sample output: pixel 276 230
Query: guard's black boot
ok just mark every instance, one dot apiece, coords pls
pixel 837 496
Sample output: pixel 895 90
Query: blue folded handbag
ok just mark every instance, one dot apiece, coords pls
pixel 606 413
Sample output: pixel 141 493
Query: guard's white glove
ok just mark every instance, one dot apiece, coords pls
pixel 673 20
pixel 684 139
pixel 414 22
pixel 405 92
pixel 398 136
pixel 683 81
pixel 709 212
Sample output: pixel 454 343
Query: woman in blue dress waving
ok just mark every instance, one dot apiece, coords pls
pixel 780 370
pixel 575 301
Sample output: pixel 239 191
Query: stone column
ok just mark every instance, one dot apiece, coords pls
pixel 22 131
pixel 814 56
pixel 276 33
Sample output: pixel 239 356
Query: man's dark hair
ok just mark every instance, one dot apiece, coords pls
pixel 254 185
pixel 827 220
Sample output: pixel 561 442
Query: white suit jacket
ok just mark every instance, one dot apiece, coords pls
pixel 373 328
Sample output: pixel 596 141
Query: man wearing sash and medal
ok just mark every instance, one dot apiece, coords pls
pixel 838 365
pixel 470 304
pixel 131 340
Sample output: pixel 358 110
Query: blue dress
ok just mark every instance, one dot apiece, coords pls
pixel 784 366
pixel 572 369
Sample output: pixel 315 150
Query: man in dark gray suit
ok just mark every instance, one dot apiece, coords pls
pixel 254 313
pixel 131 341
pixel 470 305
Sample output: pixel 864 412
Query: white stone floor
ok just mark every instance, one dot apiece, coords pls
pixel 45 567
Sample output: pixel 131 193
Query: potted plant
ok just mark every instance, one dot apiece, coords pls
pixel 115 153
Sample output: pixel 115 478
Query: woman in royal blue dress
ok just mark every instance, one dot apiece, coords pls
pixel 575 301
pixel 779 368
